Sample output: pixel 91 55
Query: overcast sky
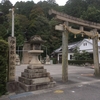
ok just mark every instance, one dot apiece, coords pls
pixel 59 2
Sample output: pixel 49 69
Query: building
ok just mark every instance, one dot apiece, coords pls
pixel 84 45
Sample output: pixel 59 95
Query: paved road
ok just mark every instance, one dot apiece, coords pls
pixel 82 85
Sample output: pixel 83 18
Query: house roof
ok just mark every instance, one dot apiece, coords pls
pixel 57 50
pixel 74 45
pixel 90 41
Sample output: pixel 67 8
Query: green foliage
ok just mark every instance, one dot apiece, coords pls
pixel 24 8
pixel 33 19
pixel 55 36
pixel 51 1
pixel 6 5
pixel 54 60
pixel 84 9
pixel 35 12
pixel 80 62
pixel 75 7
pixel 3 66
pixel 91 14
pixel 2 32
pixel 3 27
pixel 1 19
pixel 81 56
pixel 45 28
pixel 21 23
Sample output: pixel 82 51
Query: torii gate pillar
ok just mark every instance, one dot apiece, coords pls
pixel 65 55
pixel 95 54
pixel 64 51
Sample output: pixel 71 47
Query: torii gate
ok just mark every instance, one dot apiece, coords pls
pixel 66 29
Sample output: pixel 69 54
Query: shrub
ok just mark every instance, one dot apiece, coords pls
pixel 3 65
pixel 80 62
pixel 54 60
pixel 81 56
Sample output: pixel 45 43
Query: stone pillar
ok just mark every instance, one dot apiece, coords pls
pixel 95 54
pixel 12 58
pixel 26 57
pixel 47 59
pixel 65 55
pixel 58 58
pixel 12 85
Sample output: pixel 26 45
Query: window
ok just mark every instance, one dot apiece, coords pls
pixel 71 56
pixel 84 44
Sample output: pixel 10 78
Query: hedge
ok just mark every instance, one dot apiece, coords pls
pixel 54 60
pixel 3 66
pixel 80 62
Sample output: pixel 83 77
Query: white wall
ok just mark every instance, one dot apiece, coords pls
pixel 69 55
pixel 99 57
pixel 86 46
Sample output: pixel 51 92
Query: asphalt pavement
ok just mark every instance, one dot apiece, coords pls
pixel 81 85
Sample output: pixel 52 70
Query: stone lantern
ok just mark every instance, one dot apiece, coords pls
pixel 35 51
pixel 35 77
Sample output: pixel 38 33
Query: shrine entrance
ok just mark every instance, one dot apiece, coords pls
pixel 66 28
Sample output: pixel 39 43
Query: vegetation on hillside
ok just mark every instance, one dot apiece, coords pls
pixel 33 19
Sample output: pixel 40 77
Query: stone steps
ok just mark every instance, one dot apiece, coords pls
pixel 35 70
pixel 33 75
pixel 27 88
pixel 35 79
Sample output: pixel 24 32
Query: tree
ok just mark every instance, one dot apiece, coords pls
pixel 46 6
pixel 3 26
pixel 3 32
pixel 51 1
pixel 91 14
pixel 3 66
pixel 35 12
pixel 75 7
pixel 56 36
pixel 33 19
pixel 6 5
pixel 1 18
pixel 24 8
pixel 21 23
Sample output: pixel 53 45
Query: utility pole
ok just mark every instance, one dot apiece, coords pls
pixel 13 22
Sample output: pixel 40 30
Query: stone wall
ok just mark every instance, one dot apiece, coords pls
pixel 26 57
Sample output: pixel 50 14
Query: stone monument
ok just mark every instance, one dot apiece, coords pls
pixel 47 59
pixel 17 59
pixel 26 56
pixel 35 77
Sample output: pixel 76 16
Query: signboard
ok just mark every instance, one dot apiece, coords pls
pixel 12 58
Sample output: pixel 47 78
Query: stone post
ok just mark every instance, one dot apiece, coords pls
pixel 26 56
pixel 65 55
pixel 95 54
pixel 12 58
pixel 12 85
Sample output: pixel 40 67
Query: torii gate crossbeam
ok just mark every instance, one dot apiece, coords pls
pixel 68 18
